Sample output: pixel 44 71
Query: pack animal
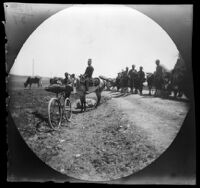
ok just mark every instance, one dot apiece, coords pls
pixel 56 80
pixel 150 82
pixel 96 86
pixel 33 80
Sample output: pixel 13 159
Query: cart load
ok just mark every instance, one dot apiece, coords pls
pixel 57 88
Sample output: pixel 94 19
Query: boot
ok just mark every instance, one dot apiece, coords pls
pixel 86 87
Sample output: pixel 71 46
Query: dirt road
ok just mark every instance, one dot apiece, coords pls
pixel 159 119
pixel 122 136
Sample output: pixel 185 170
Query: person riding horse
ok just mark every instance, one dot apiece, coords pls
pixel 88 74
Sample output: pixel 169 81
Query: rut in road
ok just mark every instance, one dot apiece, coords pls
pixel 158 118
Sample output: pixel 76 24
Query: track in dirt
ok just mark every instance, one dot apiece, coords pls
pixel 112 141
pixel 160 119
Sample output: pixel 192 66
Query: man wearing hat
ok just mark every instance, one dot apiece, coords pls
pixel 132 76
pixel 141 79
pixel 158 75
pixel 159 69
pixel 125 79
pixel 88 73
pixel 68 87
pixel 66 79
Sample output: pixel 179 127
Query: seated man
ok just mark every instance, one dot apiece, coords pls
pixel 88 74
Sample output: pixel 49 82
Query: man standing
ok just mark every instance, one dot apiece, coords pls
pixel 141 79
pixel 68 87
pixel 117 82
pixel 132 75
pixel 66 80
pixel 73 80
pixel 158 75
pixel 125 79
pixel 88 73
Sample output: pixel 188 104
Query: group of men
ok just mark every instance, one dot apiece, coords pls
pixel 128 78
pixel 132 78
pixel 135 79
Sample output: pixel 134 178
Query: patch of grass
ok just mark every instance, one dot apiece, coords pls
pixel 101 146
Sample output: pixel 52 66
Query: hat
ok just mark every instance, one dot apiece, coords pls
pixel 89 61
pixel 157 61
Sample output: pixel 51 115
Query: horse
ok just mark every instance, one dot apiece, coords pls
pixel 162 85
pixel 111 83
pixel 176 84
pixel 56 80
pixel 97 87
pixel 33 80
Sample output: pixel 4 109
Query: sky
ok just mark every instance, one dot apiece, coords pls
pixel 112 36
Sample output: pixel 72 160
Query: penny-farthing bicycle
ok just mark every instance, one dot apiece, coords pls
pixel 59 107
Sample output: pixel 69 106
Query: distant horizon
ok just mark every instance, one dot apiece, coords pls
pixel 11 74
pixel 26 75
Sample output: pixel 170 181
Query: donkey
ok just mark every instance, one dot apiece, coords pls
pixel 96 86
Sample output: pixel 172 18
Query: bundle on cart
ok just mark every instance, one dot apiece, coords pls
pixel 55 88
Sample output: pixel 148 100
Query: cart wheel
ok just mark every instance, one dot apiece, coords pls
pixel 68 109
pixel 54 113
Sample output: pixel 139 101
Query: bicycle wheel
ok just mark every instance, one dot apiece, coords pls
pixel 68 109
pixel 54 113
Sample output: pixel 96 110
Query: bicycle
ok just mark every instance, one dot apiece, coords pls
pixel 59 108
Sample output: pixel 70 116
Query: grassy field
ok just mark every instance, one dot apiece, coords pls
pixel 98 145
pixel 15 82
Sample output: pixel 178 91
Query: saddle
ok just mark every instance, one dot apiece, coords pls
pixel 94 82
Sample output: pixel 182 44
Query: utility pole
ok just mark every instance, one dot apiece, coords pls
pixel 33 67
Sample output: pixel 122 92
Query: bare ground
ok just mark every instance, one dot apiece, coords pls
pixel 123 135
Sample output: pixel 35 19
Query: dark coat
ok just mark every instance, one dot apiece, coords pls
pixel 141 76
pixel 132 74
pixel 89 71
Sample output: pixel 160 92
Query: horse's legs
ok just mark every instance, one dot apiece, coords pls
pixel 98 94
pixel 155 92
pixel 141 87
pixel 81 104
pixel 180 93
pixel 84 103
pixel 136 90
pixel 175 93
pixel 149 90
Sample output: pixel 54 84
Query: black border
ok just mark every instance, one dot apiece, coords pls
pixel 20 150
